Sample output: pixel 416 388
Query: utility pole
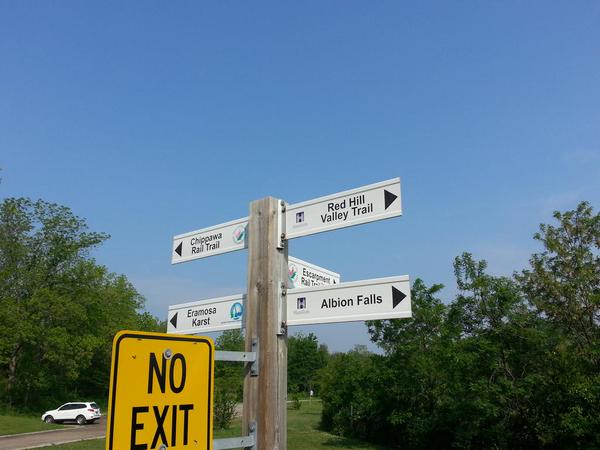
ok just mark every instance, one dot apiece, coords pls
pixel 265 395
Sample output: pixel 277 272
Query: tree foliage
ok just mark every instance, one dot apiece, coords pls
pixel 512 362
pixel 59 310
pixel 563 282
pixel 229 375
pixel 305 357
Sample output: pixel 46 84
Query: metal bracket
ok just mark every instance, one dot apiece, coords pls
pixel 281 311
pixel 248 442
pixel 221 355
pixel 254 365
pixel 280 328
pixel 252 357
pixel 281 225
pixel 283 329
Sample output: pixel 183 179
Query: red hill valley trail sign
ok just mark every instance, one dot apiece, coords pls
pixel 161 392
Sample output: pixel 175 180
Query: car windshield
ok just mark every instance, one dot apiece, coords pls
pixel 95 406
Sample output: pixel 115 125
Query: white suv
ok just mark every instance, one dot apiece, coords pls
pixel 81 412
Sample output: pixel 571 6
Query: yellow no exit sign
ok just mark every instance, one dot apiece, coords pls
pixel 161 392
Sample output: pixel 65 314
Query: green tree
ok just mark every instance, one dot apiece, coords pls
pixel 492 357
pixel 59 310
pixel 231 340
pixel 411 392
pixel 229 375
pixel 564 279
pixel 229 379
pixel 510 363
pixel 563 284
pixel 349 386
pixel 305 358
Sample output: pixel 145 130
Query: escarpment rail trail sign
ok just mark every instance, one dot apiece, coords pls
pixel 161 392
pixel 304 274
pixel 275 299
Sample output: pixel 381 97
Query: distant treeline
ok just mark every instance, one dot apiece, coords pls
pixel 511 363
pixel 306 357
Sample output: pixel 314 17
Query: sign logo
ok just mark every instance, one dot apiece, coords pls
pixel 301 303
pixel 239 234
pixel 300 217
pixel 236 311
pixel 161 392
pixel 293 273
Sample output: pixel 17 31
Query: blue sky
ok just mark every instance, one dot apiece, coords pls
pixel 151 119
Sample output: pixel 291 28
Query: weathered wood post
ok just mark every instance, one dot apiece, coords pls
pixel 265 395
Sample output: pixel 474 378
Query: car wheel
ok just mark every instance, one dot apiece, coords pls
pixel 49 419
pixel 81 420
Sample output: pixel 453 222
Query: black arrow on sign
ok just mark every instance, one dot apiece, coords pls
pixel 174 320
pixel 389 198
pixel 178 249
pixel 397 297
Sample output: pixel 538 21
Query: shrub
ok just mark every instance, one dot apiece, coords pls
pixel 296 404
pixel 224 408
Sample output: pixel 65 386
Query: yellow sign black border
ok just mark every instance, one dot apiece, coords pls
pixel 160 337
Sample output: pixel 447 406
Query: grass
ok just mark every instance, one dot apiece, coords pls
pixel 92 444
pixel 303 434
pixel 23 424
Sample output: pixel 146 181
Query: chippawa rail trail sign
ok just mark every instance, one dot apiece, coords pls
pixel 162 384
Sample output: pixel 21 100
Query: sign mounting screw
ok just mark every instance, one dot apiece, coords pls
pixel 168 354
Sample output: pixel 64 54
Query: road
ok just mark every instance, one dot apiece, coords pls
pixel 61 436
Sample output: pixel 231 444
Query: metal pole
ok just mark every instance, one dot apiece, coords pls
pixel 265 395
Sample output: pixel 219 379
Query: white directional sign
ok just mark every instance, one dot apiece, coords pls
pixel 377 299
pixel 227 313
pixel 223 238
pixel 216 314
pixel 305 274
pixel 366 204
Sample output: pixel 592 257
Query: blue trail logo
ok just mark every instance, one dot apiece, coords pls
pixel 236 311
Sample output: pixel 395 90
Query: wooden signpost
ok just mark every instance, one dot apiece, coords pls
pixel 271 302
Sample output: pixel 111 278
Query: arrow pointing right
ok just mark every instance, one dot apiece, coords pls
pixel 178 249
pixel 174 320
pixel 389 198
pixel 397 297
